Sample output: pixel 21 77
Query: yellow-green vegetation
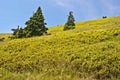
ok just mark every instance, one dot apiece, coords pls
pixel 91 51
pixel 5 38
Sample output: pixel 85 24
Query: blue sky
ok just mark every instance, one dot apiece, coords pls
pixel 17 12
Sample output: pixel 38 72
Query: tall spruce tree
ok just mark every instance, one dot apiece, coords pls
pixel 35 26
pixel 70 22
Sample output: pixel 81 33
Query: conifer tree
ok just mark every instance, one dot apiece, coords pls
pixel 35 26
pixel 70 22
pixel 18 33
pixel 15 30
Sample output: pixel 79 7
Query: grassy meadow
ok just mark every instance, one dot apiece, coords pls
pixel 91 51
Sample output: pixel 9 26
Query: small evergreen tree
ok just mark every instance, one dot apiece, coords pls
pixel 70 22
pixel 15 31
pixel 18 33
pixel 36 25
pixel 104 17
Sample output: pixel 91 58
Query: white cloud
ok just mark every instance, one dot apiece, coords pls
pixel 62 3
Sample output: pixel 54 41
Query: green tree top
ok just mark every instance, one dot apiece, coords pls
pixel 70 22
pixel 35 26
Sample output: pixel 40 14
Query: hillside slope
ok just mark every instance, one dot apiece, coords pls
pixel 90 51
pixel 5 38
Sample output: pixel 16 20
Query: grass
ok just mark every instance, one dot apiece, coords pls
pixel 6 38
pixel 88 52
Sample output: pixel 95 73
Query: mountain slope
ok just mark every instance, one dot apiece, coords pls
pixel 91 51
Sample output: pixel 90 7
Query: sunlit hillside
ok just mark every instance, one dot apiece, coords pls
pixel 4 38
pixel 91 51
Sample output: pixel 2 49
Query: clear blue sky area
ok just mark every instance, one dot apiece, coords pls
pixel 17 12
